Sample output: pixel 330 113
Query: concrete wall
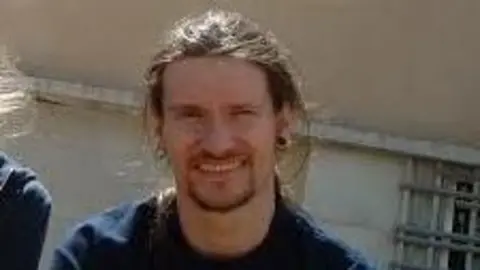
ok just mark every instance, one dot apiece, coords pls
pixel 354 193
pixel 88 159
pixel 403 67
pixel 91 158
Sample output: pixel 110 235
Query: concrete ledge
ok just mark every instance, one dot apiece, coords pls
pixel 48 87
pixel 420 148
pixel 324 132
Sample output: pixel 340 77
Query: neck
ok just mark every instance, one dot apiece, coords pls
pixel 228 235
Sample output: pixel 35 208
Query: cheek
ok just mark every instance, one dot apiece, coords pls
pixel 263 141
pixel 178 146
pixel 178 153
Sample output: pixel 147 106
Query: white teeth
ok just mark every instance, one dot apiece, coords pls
pixel 220 167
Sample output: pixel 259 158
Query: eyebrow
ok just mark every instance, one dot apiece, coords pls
pixel 241 106
pixel 246 106
pixel 181 107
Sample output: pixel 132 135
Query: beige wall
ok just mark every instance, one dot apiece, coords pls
pixel 406 67
pixel 354 193
pixel 88 159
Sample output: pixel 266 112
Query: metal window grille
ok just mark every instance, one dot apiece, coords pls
pixel 439 224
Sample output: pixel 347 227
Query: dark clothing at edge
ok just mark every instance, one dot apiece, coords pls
pixel 25 207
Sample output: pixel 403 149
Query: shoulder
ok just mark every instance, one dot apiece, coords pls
pixel 25 204
pixel 109 234
pixel 21 185
pixel 323 250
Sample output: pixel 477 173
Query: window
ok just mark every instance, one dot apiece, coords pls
pixel 439 224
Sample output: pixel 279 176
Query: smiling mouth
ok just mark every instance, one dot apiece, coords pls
pixel 220 167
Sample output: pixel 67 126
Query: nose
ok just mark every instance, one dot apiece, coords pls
pixel 218 139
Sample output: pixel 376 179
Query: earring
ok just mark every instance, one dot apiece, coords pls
pixel 282 143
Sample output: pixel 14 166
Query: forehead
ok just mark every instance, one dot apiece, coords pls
pixel 214 80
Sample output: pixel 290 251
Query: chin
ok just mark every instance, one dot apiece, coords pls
pixel 221 206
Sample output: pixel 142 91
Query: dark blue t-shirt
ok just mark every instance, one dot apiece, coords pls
pixel 25 207
pixel 124 238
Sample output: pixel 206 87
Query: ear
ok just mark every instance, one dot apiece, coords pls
pixel 286 120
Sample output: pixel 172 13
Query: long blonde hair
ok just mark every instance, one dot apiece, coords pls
pixel 14 97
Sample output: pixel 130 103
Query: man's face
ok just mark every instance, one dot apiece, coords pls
pixel 218 130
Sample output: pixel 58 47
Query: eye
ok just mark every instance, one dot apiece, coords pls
pixel 243 112
pixel 189 114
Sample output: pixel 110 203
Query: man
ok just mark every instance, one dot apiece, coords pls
pixel 223 101
pixel 25 204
